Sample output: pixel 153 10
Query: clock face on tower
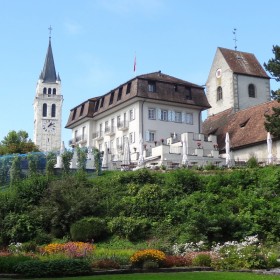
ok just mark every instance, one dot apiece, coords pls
pixel 49 126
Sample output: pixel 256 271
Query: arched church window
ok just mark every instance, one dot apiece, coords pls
pixel 45 110
pixel 219 93
pixel 53 110
pixel 45 90
pixel 54 91
pixel 251 91
pixel 49 91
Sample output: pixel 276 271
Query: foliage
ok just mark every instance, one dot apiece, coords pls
pixel 202 259
pixel 139 257
pixel 106 264
pixel 131 228
pixel 9 263
pixel 252 162
pixel 51 162
pixel 32 164
pixel 54 268
pixel 15 171
pixel 272 123
pixel 66 159
pixel 97 161
pixel 90 228
pixel 17 143
pixel 176 261
pixel 82 158
pixel 70 249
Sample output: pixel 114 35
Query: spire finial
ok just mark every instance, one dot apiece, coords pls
pixel 50 31
pixel 234 39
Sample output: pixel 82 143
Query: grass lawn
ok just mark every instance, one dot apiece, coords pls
pixel 176 276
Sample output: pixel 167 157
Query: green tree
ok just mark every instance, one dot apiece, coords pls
pixel 15 171
pixel 17 143
pixel 66 160
pixel 32 164
pixel 51 162
pixel 272 123
pixel 82 158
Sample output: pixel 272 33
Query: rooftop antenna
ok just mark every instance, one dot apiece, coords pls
pixel 234 39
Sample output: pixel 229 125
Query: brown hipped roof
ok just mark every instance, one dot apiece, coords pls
pixel 243 63
pixel 245 127
pixel 168 88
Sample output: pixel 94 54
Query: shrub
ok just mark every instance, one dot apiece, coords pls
pixel 129 227
pixel 70 249
pixel 139 257
pixel 88 229
pixel 106 264
pixel 150 265
pixel 176 261
pixel 8 263
pixel 54 268
pixel 252 162
pixel 202 259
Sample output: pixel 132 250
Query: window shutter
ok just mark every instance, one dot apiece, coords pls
pixel 147 134
pixel 169 116
pixel 159 114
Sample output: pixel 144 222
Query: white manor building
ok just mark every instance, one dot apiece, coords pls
pixel 156 111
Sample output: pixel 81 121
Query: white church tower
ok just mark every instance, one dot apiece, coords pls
pixel 48 106
pixel 236 80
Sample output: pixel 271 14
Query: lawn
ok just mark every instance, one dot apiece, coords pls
pixel 176 276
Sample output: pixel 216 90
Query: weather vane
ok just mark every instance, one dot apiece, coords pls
pixel 50 30
pixel 234 39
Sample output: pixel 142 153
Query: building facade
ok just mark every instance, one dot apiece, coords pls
pixel 236 80
pixel 238 90
pixel 153 108
pixel 48 106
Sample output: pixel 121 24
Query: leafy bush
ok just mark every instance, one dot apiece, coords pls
pixel 106 264
pixel 88 229
pixel 176 261
pixel 129 227
pixel 54 268
pixel 252 162
pixel 150 265
pixel 9 263
pixel 202 259
pixel 70 249
pixel 139 257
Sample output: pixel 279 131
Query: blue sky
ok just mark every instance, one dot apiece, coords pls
pixel 94 43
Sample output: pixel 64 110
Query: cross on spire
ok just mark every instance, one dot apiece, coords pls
pixel 50 31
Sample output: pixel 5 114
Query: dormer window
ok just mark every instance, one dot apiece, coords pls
pixel 251 91
pixel 74 114
pixel 82 109
pixel 175 88
pixel 111 98
pixel 96 105
pixel 119 94
pixel 151 86
pixel 102 102
pixel 188 93
pixel 219 93
pixel 128 88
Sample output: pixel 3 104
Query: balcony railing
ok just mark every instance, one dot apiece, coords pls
pixel 78 139
pixel 110 130
pixel 122 125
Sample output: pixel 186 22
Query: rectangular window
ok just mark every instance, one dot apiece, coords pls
pixel 164 115
pixel 189 118
pixel 96 105
pixel 119 94
pixel 118 121
pixel 112 123
pixel 102 102
pixel 131 114
pixel 111 98
pixel 151 86
pixel 151 113
pixel 178 117
pixel 82 109
pixel 106 126
pixel 132 137
pixel 150 136
pixel 128 88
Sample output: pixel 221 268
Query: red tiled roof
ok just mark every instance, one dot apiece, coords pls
pixel 245 127
pixel 243 63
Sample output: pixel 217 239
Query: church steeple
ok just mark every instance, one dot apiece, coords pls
pixel 49 74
